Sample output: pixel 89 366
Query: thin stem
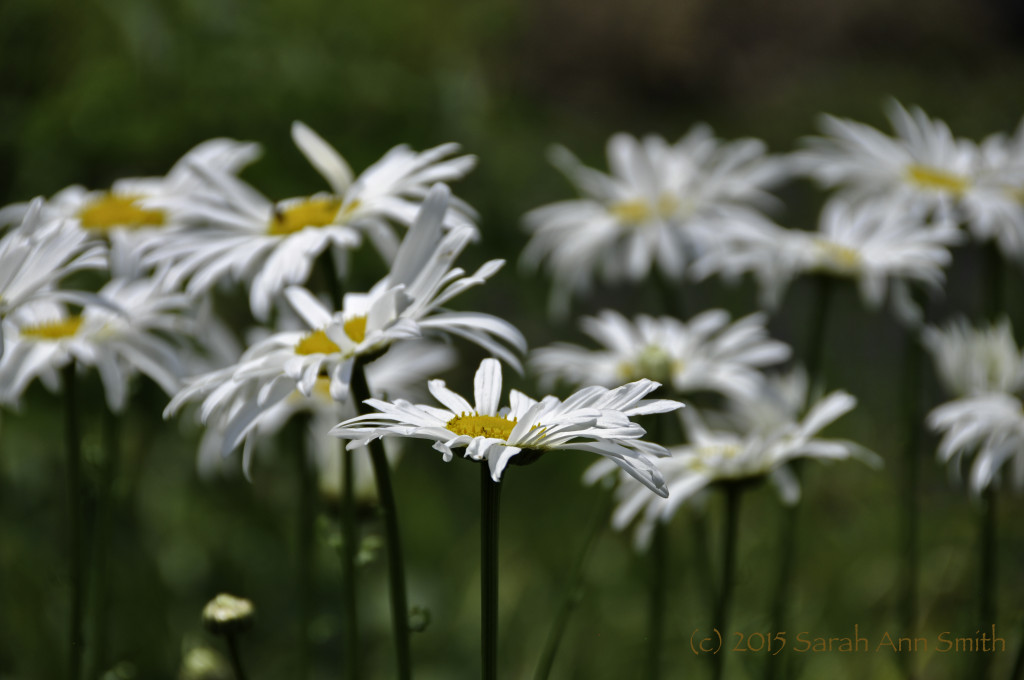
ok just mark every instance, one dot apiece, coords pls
pixel 987 575
pixel 490 496
pixel 304 535
pixel 349 546
pixel 101 541
pixel 1018 663
pixel 72 446
pixel 574 591
pixel 236 658
pixel 910 495
pixel 392 536
pixel 656 600
pixel 732 513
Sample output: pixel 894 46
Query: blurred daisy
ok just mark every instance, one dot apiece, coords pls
pixel 127 334
pixel 654 209
pixel 866 242
pixel 404 304
pixel 976 361
pixel 999 213
pixel 594 419
pixel 764 432
pixel 270 245
pixel 130 211
pixel 35 256
pixel 923 169
pixel 707 353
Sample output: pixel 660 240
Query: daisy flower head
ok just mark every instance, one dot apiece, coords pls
pixel 748 447
pixel 862 241
pixel 997 213
pixel 985 431
pixel 706 353
pixel 594 419
pixel 654 209
pixel 244 236
pixel 133 209
pixel 130 329
pixel 923 169
pixel 36 255
pixel 973 361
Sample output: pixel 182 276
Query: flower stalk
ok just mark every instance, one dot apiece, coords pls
pixel 490 496
pixel 733 491
pixel 72 447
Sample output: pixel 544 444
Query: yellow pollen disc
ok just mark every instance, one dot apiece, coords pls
pixel 839 258
pixel 311 212
pixel 651 362
pixel 933 178
pixel 472 425
pixel 54 330
pixel 632 211
pixel 316 342
pixel 110 211
pixel 355 328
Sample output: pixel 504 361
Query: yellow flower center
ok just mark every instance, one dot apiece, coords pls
pixel 473 425
pixel 310 212
pixel 652 362
pixel 110 211
pixel 933 178
pixel 838 258
pixel 316 342
pixel 355 328
pixel 637 210
pixel 54 330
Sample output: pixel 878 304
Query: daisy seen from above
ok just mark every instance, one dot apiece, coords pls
pixel 594 419
pixel 246 237
pixel 404 304
pixel 655 208
pixel 705 353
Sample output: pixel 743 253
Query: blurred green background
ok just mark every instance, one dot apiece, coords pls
pixel 94 90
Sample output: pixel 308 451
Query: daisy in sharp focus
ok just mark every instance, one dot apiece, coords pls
pixel 866 242
pixel 705 353
pixel 269 245
pixel 133 209
pixel 984 425
pixel 594 419
pixel 35 256
pixel 755 441
pixel 655 208
pixel 406 303
pixel 133 331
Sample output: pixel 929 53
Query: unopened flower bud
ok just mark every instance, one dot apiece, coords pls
pixel 227 614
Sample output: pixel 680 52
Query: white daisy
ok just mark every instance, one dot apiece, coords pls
pixel 594 419
pixel 766 432
pixel 706 353
pixel 404 304
pixel 658 205
pixel 922 170
pixel 37 254
pixel 125 335
pixel 131 210
pixel 988 427
pixel 998 211
pixel 976 361
pixel 270 245
pixel 866 242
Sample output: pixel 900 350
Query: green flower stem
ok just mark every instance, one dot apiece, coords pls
pixel 389 512
pixel 349 547
pixel 815 351
pixel 733 492
pixel 1018 663
pixel 72 446
pixel 101 542
pixel 910 494
pixel 236 658
pixel 987 576
pixel 490 496
pixel 656 600
pixel 574 591
pixel 306 516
